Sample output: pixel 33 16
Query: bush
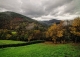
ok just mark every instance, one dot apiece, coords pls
pixel 21 44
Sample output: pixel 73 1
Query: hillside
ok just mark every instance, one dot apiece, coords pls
pixel 12 20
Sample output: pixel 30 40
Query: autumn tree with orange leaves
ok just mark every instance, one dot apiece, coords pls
pixel 75 29
pixel 55 32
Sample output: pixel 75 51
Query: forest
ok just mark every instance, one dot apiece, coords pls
pixel 56 33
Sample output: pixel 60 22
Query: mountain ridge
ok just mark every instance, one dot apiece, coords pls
pixel 50 22
pixel 12 20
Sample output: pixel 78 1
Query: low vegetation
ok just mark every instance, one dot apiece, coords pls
pixel 42 50
pixel 10 43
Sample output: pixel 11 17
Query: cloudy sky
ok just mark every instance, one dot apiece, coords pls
pixel 43 9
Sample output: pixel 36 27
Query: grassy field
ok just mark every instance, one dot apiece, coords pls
pixel 5 42
pixel 42 50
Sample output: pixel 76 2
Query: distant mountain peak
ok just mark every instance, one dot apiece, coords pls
pixel 50 22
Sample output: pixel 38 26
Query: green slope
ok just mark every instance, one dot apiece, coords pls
pixel 42 50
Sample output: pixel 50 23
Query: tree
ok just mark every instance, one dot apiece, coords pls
pixel 75 29
pixel 8 36
pixel 55 32
pixel 67 34
pixel 35 35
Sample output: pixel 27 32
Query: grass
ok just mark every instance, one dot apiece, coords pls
pixel 14 32
pixel 42 50
pixel 5 42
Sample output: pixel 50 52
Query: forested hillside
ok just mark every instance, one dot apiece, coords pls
pixel 14 26
pixel 12 20
pixel 18 27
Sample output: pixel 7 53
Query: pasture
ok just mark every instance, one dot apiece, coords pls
pixel 42 50
pixel 6 42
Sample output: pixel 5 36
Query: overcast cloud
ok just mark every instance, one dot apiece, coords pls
pixel 43 9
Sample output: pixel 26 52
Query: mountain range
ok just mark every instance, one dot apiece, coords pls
pixel 50 22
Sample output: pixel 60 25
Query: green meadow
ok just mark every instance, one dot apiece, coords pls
pixel 6 42
pixel 42 50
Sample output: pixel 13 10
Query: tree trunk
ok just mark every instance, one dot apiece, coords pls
pixel 55 41
pixel 76 40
